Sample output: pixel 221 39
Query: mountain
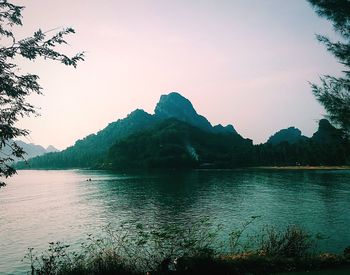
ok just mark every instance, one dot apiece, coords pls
pixel 291 135
pixel 176 106
pixel 172 143
pixel 51 149
pixel 92 150
pixel 224 129
pixel 177 136
pixel 176 144
pixel 327 133
pixel 287 147
pixel 31 150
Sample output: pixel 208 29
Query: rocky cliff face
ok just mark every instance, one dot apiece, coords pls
pixel 291 135
pixel 176 106
pixel 327 133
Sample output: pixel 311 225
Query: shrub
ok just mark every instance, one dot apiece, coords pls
pixel 57 259
pixel 129 251
pixel 347 252
pixel 133 250
pixel 294 242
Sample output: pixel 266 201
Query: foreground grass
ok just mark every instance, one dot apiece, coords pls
pixel 191 250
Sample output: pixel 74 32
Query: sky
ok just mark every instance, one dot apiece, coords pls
pixel 241 62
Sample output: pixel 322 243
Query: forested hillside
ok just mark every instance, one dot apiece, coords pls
pixel 177 137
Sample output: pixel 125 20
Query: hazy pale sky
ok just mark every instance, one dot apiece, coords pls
pixel 243 62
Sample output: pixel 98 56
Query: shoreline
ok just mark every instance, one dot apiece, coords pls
pixel 326 167
pixel 301 167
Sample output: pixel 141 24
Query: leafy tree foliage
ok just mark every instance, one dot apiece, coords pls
pixel 16 87
pixel 175 144
pixel 334 92
pixel 90 151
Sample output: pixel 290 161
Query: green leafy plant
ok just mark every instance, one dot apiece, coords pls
pixel 16 87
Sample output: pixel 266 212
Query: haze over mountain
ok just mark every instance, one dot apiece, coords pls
pixel 31 150
pixel 176 135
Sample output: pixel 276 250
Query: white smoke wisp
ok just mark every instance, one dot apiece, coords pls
pixel 192 151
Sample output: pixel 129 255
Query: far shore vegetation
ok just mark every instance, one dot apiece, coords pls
pixel 171 143
pixel 299 167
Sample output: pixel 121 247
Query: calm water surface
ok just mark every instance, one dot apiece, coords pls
pixel 38 207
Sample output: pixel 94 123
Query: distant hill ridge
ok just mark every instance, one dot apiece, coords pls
pixel 291 135
pixel 31 150
pixel 326 134
pixel 96 150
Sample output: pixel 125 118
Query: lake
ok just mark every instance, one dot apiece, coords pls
pixel 38 207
